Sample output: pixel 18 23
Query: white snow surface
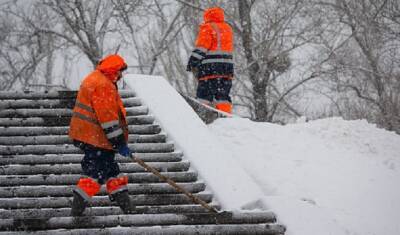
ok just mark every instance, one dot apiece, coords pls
pixel 211 159
pixel 327 176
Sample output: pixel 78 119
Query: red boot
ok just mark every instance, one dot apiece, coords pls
pixel 118 191
pixel 84 190
pixel 224 106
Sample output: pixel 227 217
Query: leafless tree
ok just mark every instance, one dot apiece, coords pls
pixel 269 32
pixel 133 18
pixel 82 24
pixel 22 48
pixel 366 68
pixel 50 25
pixel 346 51
pixel 152 37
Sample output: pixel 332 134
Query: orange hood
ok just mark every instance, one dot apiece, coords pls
pixel 214 14
pixel 111 65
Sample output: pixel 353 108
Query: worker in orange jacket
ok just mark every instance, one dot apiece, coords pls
pixel 98 126
pixel 211 60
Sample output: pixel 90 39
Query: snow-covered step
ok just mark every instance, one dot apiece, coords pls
pixel 66 190
pixel 76 168
pixel 204 229
pixel 142 220
pixel 140 120
pixel 102 211
pixel 228 229
pixel 55 103
pixel 68 148
pixel 15 180
pixel 39 166
pixel 33 131
pixel 57 112
pixel 147 128
pixel 16 95
pixel 32 159
pixel 35 121
pixel 64 121
pixel 64 139
pixel 60 202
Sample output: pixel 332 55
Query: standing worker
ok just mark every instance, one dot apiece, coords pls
pixel 98 127
pixel 212 61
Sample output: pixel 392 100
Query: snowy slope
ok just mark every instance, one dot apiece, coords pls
pixel 212 160
pixel 323 177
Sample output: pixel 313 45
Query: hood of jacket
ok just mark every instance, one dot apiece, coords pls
pixel 111 65
pixel 214 14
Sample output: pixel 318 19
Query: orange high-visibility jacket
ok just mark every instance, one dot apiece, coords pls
pixel 99 115
pixel 212 56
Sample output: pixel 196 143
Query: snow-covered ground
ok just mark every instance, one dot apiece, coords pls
pixel 327 176
pixel 323 177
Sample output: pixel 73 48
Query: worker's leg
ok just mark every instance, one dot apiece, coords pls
pixel 82 193
pixel 97 165
pixel 223 101
pixel 205 92
pixel 118 191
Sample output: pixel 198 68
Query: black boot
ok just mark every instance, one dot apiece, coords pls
pixel 78 204
pixel 124 201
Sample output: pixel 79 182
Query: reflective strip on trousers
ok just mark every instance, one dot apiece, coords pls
pixel 82 193
pixel 120 189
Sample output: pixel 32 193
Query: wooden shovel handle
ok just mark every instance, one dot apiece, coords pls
pixel 173 184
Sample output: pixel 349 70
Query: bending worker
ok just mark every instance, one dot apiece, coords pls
pixel 211 60
pixel 98 126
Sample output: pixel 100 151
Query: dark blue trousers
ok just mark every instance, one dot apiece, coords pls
pixel 214 89
pixel 99 164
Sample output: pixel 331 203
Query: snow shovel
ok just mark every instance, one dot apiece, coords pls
pixel 173 184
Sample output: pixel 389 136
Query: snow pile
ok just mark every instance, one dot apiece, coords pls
pixel 322 177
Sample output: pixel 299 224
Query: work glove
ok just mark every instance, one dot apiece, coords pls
pixel 124 151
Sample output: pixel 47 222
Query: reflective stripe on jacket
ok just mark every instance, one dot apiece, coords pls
pixel 212 56
pixel 99 116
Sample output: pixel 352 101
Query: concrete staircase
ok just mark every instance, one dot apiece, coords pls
pixel 39 164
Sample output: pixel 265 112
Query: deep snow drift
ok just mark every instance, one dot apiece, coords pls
pixel 322 177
